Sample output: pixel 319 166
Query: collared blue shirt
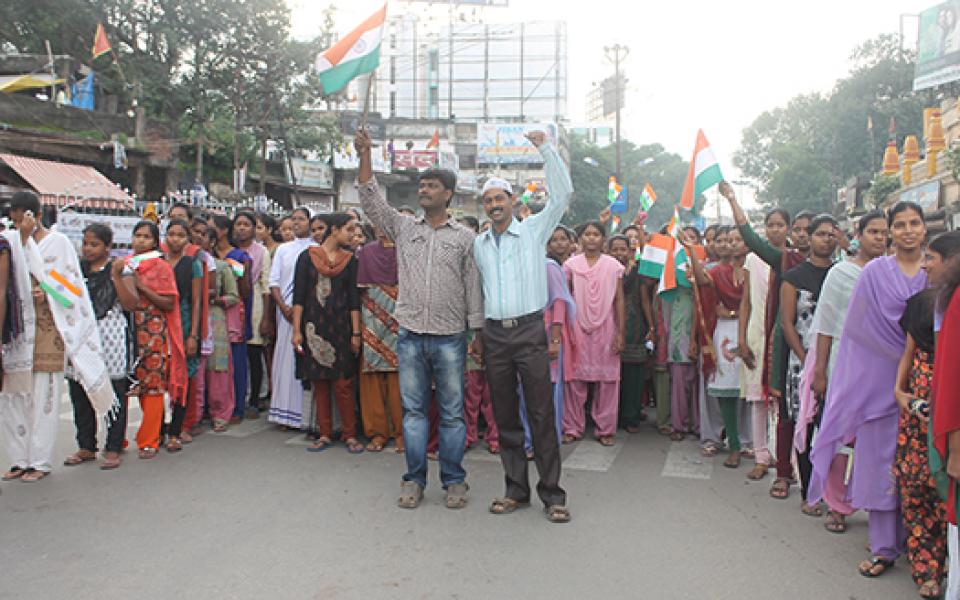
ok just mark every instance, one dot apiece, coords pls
pixel 513 272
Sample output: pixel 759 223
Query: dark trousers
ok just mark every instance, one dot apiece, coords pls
pixel 85 417
pixel 255 357
pixel 522 351
pixel 175 428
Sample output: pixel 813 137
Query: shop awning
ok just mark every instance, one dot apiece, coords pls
pixel 60 183
pixel 29 81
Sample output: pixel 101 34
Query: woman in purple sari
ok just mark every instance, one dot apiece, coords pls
pixel 860 403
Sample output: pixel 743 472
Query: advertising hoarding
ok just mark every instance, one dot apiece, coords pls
pixel 504 143
pixel 938 46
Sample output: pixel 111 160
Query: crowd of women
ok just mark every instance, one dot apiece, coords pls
pixel 820 355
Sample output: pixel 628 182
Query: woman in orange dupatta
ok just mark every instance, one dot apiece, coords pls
pixel 149 291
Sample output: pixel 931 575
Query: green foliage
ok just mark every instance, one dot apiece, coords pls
pixel 953 161
pixel 665 173
pixel 226 72
pixel 883 186
pixel 802 153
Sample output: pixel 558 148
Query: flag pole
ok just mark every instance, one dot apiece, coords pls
pixel 366 100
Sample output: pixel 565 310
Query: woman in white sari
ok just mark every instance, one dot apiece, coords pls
pixel 286 400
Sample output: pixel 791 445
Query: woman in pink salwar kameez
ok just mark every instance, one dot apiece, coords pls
pixel 598 335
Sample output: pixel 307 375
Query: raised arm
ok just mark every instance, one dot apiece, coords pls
pixel 372 201
pixel 703 278
pixel 757 245
pixel 558 185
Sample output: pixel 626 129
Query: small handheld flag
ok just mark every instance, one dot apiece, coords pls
pixel 647 198
pixel 101 45
pixel 704 172
pixel 135 260
pixel 613 190
pixel 528 192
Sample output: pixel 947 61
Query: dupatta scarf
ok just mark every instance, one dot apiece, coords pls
pixel 53 262
pixel 558 291
pixel 157 274
pixel 946 393
pixel 594 288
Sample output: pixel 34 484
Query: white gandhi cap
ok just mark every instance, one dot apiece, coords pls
pixel 497 183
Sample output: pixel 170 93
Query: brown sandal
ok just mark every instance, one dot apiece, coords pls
pixel 678 436
pixel 811 510
pixel 733 461
pixel 836 522
pixel 376 444
pixel 780 488
pixel 505 506
pixel 607 440
pixel 79 457
pixel 147 453
pixel 174 445
pixel 758 472
pixel 111 460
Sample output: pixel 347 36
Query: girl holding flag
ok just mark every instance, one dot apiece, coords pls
pixel 148 288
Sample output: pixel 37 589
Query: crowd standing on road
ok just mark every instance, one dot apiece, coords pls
pixel 828 359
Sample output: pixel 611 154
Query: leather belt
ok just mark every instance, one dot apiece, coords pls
pixel 517 321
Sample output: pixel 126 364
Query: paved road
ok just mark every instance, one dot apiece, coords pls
pixel 250 514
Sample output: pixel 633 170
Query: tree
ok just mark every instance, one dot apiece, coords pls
pixel 664 171
pixel 226 72
pixel 800 154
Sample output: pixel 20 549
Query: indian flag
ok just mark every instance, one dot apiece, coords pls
pixel 647 198
pixel 673 227
pixel 613 190
pixel 703 174
pixel 656 261
pixel 357 53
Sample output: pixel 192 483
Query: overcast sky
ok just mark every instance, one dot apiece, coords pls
pixel 694 64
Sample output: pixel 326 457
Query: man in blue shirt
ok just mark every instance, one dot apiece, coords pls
pixel 510 256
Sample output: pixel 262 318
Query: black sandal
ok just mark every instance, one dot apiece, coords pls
pixel 15 472
pixel 876 561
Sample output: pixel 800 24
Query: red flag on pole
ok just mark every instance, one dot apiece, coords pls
pixel 435 140
pixel 101 45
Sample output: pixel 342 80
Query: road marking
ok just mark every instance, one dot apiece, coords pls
pixel 590 455
pixel 685 461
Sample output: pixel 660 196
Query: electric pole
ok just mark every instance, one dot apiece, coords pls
pixel 616 54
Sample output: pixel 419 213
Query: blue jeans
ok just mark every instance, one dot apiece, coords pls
pixel 441 360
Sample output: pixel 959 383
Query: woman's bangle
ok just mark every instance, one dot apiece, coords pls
pixel 356 334
pixel 555 341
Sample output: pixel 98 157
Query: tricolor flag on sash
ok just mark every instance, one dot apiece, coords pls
pixel 357 53
pixel 58 287
pixel 704 172
pixel 236 266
